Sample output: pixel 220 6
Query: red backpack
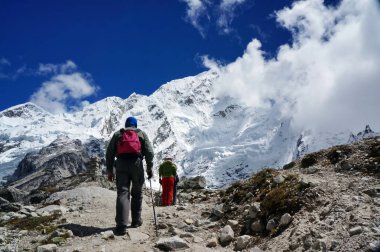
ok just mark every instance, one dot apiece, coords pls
pixel 129 143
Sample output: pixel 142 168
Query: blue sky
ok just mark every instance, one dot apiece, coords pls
pixel 124 46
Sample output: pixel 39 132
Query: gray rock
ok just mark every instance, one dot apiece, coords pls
pixel 186 235
pixel 255 249
pixel 3 201
pixel 162 225
pixel 256 227
pixel 285 219
pixel 12 194
pixel 107 235
pixel 374 192
pixel 197 239
pixel 189 221
pixel 47 248
pixel 320 245
pixel 218 211
pixel 254 210
pixel 242 242
pixel 344 165
pixel 355 230
pixel 171 243
pixel 311 170
pixel 52 209
pixel 2 239
pixel 198 182
pixel 233 223
pixel 211 243
pixel 10 207
pixel 279 179
pixel 173 231
pixel 226 235
pixel 271 225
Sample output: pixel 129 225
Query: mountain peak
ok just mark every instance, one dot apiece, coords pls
pixel 24 110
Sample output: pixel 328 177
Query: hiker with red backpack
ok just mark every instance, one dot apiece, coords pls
pixel 167 172
pixel 129 146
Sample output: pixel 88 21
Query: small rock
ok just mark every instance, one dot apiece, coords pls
pixel 23 232
pixel 242 242
pixel 190 229
pixel 52 209
pixel 256 226
pixel 355 230
pixel 197 239
pixel 319 245
pixel 285 219
pixel 198 223
pixel 189 221
pixel 271 225
pixel 107 235
pixel 173 231
pixel 226 235
pixel 162 225
pixel 180 208
pixel 211 243
pixel 171 243
pixel 58 240
pixel 278 179
pixel 47 248
pixel 186 235
pixel 232 223
pixel 2 239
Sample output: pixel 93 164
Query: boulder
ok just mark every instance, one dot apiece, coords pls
pixel 254 210
pixel 171 243
pixel 211 243
pixel 218 211
pixel 198 182
pixel 10 207
pixel 226 235
pixel 271 225
pixel 232 223
pixel 52 209
pixel 242 242
pixel 279 179
pixel 47 248
pixel 285 219
pixel 256 226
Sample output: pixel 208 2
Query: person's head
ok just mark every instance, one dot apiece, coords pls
pixel 131 122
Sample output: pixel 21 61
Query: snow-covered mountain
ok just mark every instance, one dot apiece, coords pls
pixel 206 134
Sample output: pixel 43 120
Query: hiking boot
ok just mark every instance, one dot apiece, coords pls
pixel 136 224
pixel 120 230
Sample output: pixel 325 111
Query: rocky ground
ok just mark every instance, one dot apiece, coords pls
pixel 327 201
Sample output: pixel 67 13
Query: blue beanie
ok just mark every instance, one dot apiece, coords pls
pixel 131 122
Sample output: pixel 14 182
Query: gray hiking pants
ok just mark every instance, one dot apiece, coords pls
pixel 129 171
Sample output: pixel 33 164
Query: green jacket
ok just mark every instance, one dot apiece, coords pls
pixel 167 169
pixel 146 148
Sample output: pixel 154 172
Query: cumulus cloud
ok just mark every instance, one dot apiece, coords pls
pixel 328 77
pixel 65 90
pixel 4 62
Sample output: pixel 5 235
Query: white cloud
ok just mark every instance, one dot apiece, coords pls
pixel 227 14
pixel 63 89
pixel 4 62
pixel 327 78
pixel 202 12
pixel 196 9
pixel 49 68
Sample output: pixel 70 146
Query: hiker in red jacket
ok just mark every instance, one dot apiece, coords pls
pixel 167 173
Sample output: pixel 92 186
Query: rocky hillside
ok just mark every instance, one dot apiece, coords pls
pixel 327 201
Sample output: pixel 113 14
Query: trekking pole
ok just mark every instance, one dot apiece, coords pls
pixel 154 210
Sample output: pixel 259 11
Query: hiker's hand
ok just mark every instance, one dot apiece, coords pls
pixel 110 176
pixel 150 174
pixel 160 181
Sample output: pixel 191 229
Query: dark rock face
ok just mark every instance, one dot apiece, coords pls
pixel 12 194
pixel 61 159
